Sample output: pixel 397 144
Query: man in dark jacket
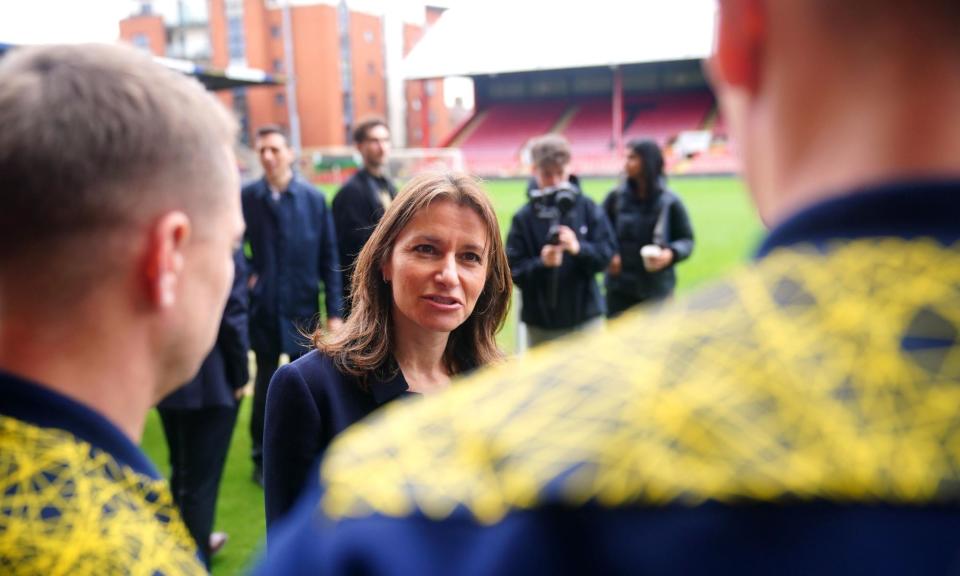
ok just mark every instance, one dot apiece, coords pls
pixel 645 216
pixel 556 246
pixel 294 247
pixel 198 420
pixel 361 202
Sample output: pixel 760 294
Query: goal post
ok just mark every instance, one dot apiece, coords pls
pixel 405 163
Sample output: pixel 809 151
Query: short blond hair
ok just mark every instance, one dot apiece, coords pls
pixel 100 136
pixel 550 151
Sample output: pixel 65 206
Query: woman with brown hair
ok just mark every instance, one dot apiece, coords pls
pixel 430 290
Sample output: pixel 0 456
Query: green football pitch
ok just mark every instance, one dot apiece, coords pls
pixel 727 231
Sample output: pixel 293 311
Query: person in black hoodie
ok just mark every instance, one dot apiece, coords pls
pixel 643 212
pixel 557 280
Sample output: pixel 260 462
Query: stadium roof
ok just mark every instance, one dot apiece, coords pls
pixel 502 36
pixel 212 78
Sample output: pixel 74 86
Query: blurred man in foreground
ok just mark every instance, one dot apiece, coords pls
pixel 799 417
pixel 119 219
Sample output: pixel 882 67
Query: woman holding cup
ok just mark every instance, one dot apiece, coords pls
pixel 652 229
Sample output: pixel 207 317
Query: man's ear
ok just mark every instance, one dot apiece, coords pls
pixel 165 257
pixel 741 40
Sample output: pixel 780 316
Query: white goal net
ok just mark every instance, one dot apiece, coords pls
pixel 404 163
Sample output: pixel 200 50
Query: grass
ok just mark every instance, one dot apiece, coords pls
pixel 726 229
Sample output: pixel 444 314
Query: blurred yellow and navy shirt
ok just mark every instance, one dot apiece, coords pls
pixel 77 497
pixel 801 416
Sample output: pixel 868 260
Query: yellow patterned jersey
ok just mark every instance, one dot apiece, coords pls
pixel 800 416
pixel 708 399
pixel 68 506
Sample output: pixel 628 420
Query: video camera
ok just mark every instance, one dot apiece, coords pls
pixel 552 203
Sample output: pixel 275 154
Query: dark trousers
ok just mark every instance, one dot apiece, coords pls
pixel 267 363
pixel 619 302
pixel 198 440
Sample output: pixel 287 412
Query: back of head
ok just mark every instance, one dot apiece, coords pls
pixel 99 139
pixel 825 96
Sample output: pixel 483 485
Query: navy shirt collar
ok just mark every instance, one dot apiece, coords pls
pixel 929 209
pixel 294 187
pixel 33 404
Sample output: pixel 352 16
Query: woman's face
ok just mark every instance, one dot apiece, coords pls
pixel 438 267
pixel 633 165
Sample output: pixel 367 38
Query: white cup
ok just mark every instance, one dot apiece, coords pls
pixel 649 253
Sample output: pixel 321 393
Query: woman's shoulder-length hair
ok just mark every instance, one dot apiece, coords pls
pixel 363 347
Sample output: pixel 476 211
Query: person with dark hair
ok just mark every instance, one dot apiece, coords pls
pixel 362 200
pixel 431 289
pixel 293 243
pixel 652 229
pixel 198 420
pixel 119 218
pixel 557 244
pixel 798 416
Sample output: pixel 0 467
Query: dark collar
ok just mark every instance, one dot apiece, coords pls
pixel 929 209
pixel 384 391
pixel 293 187
pixel 33 404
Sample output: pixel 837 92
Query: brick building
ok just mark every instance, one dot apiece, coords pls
pixel 338 63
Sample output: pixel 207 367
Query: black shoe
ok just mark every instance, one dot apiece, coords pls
pixel 258 475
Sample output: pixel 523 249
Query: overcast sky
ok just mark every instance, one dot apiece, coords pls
pixel 46 21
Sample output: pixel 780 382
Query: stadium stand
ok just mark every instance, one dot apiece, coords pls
pixel 495 144
pixel 661 117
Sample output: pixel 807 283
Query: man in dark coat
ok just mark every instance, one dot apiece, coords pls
pixel 361 202
pixel 198 420
pixel 293 248
pixel 557 276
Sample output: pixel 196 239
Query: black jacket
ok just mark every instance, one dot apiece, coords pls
pixel 357 209
pixel 225 369
pixel 634 220
pixel 309 402
pixel 578 295
pixel 294 247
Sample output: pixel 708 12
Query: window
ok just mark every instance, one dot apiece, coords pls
pixel 277 65
pixel 368 36
pixel 235 38
pixel 371 68
pixel 280 99
pixel 372 99
pixel 415 104
pixel 141 41
pixel 275 31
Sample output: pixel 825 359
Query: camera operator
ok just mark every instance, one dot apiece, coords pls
pixel 652 228
pixel 557 244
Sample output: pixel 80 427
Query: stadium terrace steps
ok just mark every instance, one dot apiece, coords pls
pixel 494 140
pixel 494 146
pixel 661 118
